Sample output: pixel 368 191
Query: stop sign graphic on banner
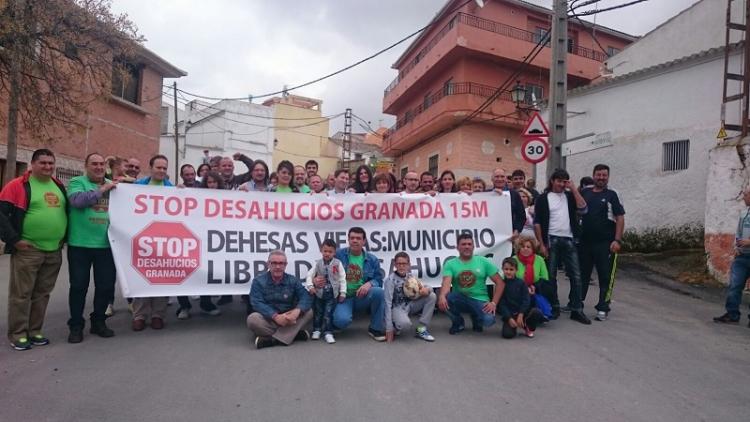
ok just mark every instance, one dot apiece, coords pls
pixel 165 253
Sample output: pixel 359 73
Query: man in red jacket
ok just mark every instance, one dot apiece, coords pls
pixel 33 223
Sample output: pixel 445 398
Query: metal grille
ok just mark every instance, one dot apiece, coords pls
pixel 433 165
pixel 675 155
pixel 64 175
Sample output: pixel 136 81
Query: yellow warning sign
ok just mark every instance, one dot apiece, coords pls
pixel 722 133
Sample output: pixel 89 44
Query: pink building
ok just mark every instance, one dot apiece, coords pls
pixel 452 68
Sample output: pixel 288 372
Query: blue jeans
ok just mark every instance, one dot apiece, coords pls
pixel 564 249
pixel 738 275
pixel 323 311
pixel 344 312
pixel 459 303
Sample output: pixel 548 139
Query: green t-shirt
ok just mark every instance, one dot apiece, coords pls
pixel 304 189
pixel 88 226
pixel 284 189
pixel 46 220
pixel 153 182
pixel 540 269
pixel 355 275
pixel 469 277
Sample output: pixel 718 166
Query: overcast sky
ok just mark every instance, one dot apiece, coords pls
pixel 234 48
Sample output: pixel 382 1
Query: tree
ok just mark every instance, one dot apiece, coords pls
pixel 58 57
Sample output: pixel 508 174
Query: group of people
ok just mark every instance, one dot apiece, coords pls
pixel 580 228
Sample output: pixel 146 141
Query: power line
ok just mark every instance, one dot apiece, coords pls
pixel 503 87
pixel 260 116
pixel 607 9
pixel 322 120
pixel 538 48
pixel 314 81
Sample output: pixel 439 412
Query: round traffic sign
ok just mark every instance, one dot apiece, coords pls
pixel 535 150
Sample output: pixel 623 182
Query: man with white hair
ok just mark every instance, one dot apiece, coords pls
pixel 281 304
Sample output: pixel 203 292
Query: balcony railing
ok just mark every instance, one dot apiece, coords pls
pixel 457 88
pixel 491 26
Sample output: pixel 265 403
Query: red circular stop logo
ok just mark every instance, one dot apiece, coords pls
pixel 166 253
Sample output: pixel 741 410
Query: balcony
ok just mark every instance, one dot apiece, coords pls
pixel 484 36
pixel 447 108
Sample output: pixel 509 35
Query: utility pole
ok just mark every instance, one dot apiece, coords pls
pixel 346 142
pixel 176 137
pixel 558 83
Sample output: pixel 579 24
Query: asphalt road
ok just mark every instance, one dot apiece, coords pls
pixel 658 358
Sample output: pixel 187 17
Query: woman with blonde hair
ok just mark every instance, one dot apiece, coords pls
pixel 464 184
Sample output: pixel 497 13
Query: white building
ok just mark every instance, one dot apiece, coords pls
pixel 653 120
pixel 222 128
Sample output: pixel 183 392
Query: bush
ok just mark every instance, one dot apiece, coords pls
pixel 689 236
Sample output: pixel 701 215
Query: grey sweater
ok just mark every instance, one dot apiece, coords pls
pixel 336 276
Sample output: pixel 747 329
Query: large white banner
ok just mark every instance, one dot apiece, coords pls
pixel 180 242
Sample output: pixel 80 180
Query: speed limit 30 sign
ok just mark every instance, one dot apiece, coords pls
pixel 535 150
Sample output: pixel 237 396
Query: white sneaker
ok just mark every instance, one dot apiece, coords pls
pixel 601 316
pixel 195 297
pixel 171 301
pixel 315 335
pixel 110 311
pixel 329 338
pixel 183 314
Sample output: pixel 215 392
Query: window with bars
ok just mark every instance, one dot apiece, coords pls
pixel 675 155
pixel 534 94
pixel 404 170
pixel 433 165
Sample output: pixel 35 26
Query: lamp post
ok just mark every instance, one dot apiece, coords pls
pixel 518 94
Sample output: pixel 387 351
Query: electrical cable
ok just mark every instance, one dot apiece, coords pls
pixel 607 9
pixel 314 81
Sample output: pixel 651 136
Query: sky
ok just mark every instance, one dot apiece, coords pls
pixel 236 48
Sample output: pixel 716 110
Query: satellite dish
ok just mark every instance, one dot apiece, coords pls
pixel 479 3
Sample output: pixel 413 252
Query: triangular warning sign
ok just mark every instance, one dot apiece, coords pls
pixel 722 133
pixel 535 127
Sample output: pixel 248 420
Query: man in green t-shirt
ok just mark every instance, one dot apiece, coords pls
pixel 300 179
pixel 88 245
pixel 467 275
pixel 33 222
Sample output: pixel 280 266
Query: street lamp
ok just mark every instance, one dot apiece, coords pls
pixel 518 94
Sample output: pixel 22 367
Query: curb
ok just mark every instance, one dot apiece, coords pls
pixel 641 272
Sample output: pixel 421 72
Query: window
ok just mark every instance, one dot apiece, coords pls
pixel 404 170
pixel 675 155
pixel 126 81
pixel 448 87
pixel 571 45
pixel 572 42
pixel 534 94
pixel 539 33
pixel 408 116
pixel 433 165
pixel 357 156
pixel 426 103
pixel 611 51
pixel 164 120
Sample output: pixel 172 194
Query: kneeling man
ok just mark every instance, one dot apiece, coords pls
pixel 281 304
pixel 467 274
